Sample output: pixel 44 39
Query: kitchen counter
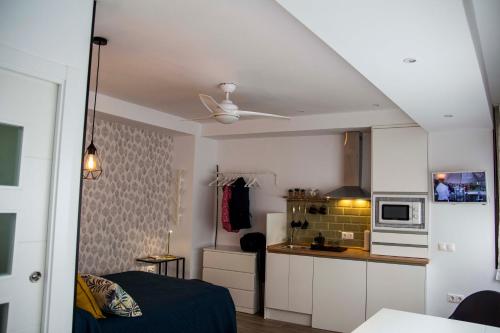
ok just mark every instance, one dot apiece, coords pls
pixel 350 253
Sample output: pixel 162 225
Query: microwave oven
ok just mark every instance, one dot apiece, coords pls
pixel 399 211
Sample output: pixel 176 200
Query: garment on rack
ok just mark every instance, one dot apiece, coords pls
pixel 226 199
pixel 239 206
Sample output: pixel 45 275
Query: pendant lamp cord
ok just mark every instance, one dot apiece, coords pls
pixel 96 89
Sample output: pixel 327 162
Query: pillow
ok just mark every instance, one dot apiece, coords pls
pixel 111 297
pixel 85 300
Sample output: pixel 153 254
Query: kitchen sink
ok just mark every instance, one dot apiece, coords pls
pixel 329 248
pixel 314 247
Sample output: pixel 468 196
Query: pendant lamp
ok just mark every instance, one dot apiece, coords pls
pixel 92 167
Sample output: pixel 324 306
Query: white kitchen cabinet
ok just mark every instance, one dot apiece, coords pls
pixel 399 160
pixel 394 286
pixel 339 294
pixel 277 273
pixel 300 284
pixel 289 281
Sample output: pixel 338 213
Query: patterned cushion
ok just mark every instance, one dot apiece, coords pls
pixel 85 300
pixel 111 297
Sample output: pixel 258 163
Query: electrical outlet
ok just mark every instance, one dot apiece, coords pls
pixel 455 298
pixel 347 235
pixel 150 269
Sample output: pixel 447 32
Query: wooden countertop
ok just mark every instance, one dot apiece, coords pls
pixel 350 253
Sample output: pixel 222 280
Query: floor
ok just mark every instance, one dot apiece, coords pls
pixel 252 324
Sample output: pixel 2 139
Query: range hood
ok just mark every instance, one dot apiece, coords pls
pixel 353 169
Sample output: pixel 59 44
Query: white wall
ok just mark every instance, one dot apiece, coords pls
pixel 182 236
pixel 205 160
pixel 58 31
pixel 299 161
pixel 130 112
pixel 470 226
pixel 198 157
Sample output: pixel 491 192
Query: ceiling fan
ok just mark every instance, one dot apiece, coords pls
pixel 226 112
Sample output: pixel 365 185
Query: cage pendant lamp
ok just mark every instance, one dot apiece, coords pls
pixel 92 166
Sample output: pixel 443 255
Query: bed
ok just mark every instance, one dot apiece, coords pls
pixel 168 305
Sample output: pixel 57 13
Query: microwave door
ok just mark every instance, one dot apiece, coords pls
pixel 395 213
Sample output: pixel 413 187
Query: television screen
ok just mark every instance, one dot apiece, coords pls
pixel 459 186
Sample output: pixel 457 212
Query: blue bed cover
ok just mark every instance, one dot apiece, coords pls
pixel 168 305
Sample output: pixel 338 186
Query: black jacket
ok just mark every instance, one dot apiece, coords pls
pixel 239 206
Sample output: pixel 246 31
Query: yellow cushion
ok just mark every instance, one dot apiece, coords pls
pixel 85 300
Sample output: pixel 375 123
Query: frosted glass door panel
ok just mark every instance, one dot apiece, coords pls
pixel 10 154
pixel 7 228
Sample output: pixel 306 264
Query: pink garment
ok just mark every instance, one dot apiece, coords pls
pixel 226 198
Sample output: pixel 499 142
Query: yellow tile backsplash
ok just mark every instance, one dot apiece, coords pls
pixel 342 215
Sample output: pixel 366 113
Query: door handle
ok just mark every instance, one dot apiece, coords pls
pixel 35 276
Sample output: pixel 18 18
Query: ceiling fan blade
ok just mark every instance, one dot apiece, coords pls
pixel 259 114
pixel 201 118
pixel 209 103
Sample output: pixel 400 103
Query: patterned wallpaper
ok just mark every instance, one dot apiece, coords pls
pixel 125 213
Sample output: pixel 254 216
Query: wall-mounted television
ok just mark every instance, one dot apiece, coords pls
pixel 459 187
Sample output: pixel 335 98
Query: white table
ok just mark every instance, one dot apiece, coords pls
pixel 392 321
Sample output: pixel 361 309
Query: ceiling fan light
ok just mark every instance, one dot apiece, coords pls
pixel 226 118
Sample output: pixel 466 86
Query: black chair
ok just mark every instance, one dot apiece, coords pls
pixel 482 307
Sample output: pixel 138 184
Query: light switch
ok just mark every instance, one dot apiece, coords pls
pixel 450 247
pixel 442 246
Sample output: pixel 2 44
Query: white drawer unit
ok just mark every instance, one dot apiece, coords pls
pixel 230 279
pixel 229 267
pixel 393 250
pixel 229 259
pixel 244 300
pixel 400 238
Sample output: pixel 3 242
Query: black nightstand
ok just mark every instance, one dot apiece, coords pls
pixel 159 260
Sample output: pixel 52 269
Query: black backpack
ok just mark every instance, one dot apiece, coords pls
pixel 256 242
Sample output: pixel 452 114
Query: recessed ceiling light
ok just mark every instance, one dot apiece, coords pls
pixel 448 115
pixel 409 60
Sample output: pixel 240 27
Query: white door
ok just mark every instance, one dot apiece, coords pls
pixel 397 287
pixel 27 118
pixel 277 272
pixel 339 294
pixel 300 282
pixel 399 160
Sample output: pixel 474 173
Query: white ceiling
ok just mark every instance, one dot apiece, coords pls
pixel 289 59
pixel 161 54
pixel 487 17
pixel 375 36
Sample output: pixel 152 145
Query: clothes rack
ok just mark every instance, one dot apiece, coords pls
pixel 242 174
pixel 217 183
